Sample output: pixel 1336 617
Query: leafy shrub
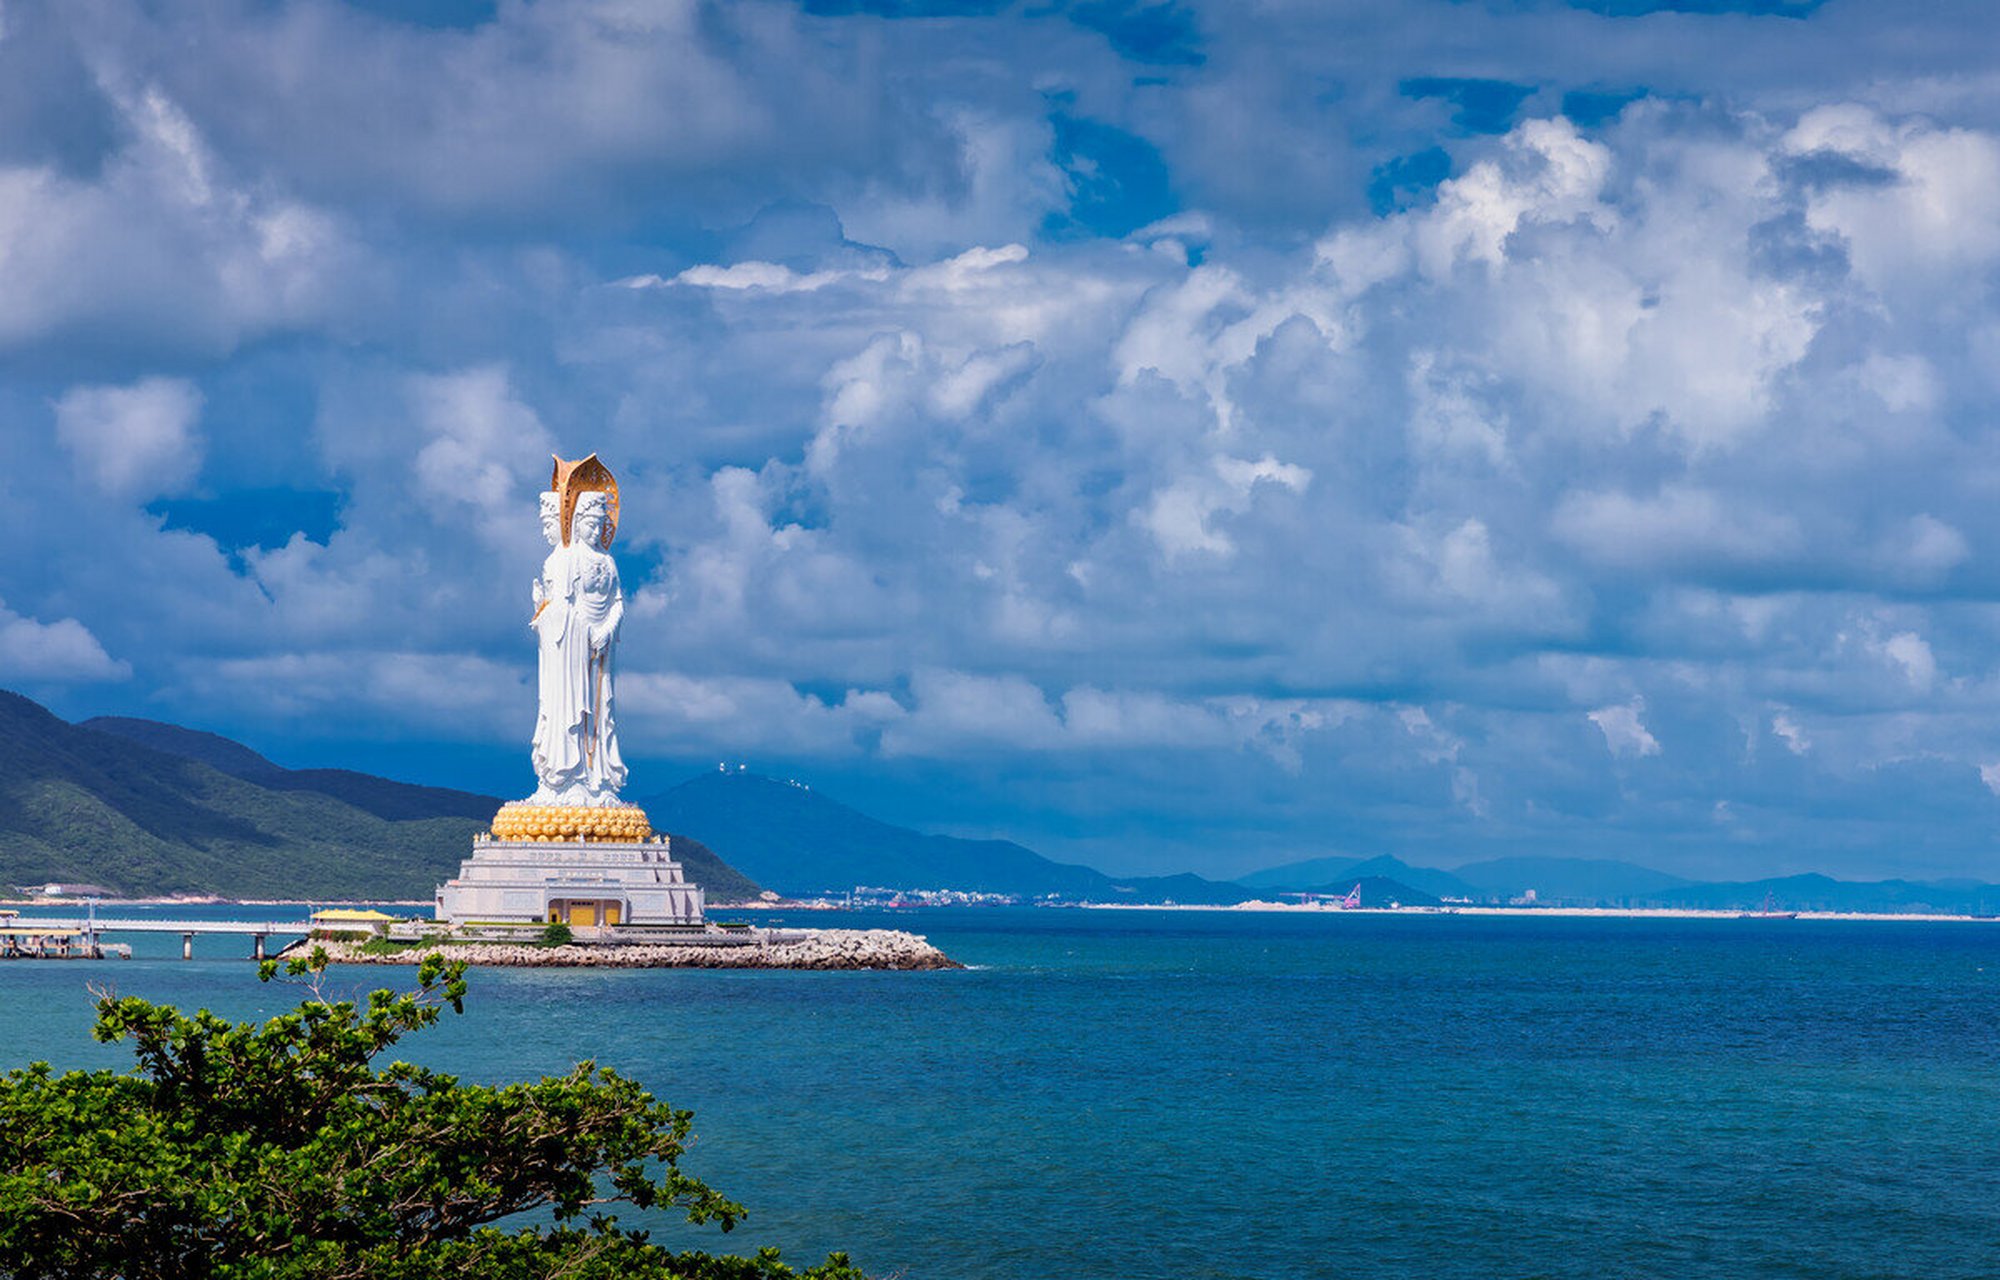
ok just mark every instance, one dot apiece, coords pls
pixel 279 1151
pixel 557 934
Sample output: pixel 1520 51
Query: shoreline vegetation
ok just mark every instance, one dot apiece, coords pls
pixel 818 949
pixel 286 1149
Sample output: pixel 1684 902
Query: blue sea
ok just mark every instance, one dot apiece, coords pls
pixel 1206 1094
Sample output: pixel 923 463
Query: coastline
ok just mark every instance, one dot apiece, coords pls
pixel 1605 913
pixel 1254 905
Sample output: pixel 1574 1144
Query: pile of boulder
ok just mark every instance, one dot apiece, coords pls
pixel 813 949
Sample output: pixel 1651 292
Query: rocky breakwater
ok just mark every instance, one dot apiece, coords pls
pixel 814 949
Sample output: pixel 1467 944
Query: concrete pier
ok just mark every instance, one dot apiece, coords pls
pixel 92 929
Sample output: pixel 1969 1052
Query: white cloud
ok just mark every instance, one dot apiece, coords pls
pixel 1904 384
pixel 765 277
pixel 135 441
pixel 958 712
pixel 1449 566
pixel 163 248
pixel 670 710
pixel 1791 732
pixel 60 651
pixel 1547 173
pixel 1181 515
pixel 1931 221
pixel 1677 527
pixel 1450 415
pixel 1912 655
pixel 1625 733
pixel 457 696
pixel 1924 549
pixel 955 710
pixel 485 451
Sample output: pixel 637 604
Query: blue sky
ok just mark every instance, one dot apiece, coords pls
pixel 1174 436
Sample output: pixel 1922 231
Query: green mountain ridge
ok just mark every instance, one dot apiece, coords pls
pixel 84 806
pixel 383 797
pixel 143 808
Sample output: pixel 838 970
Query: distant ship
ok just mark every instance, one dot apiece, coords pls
pixel 1769 911
pixel 1315 897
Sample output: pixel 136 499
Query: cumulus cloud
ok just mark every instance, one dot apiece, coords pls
pixel 53 652
pixel 1788 730
pixel 414 691
pixel 134 441
pixel 1624 730
pixel 484 450
pixel 1182 516
pixel 1909 652
pixel 164 248
pixel 1677 527
pixel 1918 220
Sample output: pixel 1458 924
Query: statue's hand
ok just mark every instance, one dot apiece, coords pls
pixel 599 637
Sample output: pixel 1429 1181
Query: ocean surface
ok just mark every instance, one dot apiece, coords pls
pixel 1197 1094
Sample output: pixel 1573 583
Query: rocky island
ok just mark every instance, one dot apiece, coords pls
pixel 763 949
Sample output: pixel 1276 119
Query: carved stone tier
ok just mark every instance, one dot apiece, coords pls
pixel 554 823
pixel 582 883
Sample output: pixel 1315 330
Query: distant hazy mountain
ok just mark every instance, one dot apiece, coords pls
pixel 799 842
pixel 143 807
pixel 1295 875
pixel 1582 880
pixel 1814 892
pixel 1320 875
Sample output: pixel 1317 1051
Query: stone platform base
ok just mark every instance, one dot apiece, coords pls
pixel 587 883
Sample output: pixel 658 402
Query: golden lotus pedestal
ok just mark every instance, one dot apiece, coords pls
pixel 555 823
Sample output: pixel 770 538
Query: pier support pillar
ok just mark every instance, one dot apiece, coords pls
pixel 258 954
pixel 187 946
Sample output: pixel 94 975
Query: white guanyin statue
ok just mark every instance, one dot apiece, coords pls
pixel 579 607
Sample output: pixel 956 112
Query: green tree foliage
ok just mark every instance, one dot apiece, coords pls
pixel 558 934
pixel 236 1150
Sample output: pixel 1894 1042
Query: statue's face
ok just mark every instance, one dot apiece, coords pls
pixel 589 527
pixel 551 523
